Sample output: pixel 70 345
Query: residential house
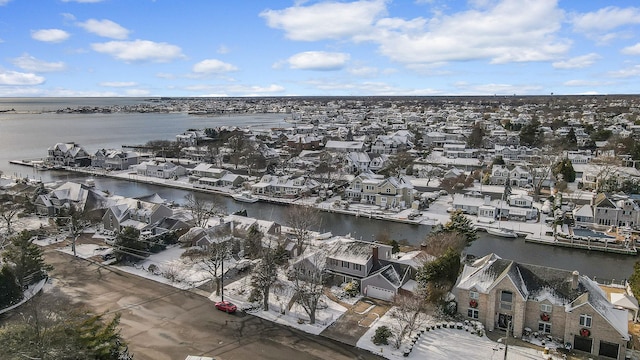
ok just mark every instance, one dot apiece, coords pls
pixel 301 142
pixel 68 154
pixel 134 213
pixel 80 196
pixel 344 146
pixel 285 186
pixel 368 264
pixel 114 159
pixel 520 298
pixel 358 161
pixel 615 210
pixel 385 192
pixel 499 175
pixel 162 170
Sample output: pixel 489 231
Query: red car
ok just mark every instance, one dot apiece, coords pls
pixel 226 306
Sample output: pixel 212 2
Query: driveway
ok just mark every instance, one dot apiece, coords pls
pixel 161 322
pixel 355 322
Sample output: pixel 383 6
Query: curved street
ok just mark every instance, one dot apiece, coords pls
pixel 161 322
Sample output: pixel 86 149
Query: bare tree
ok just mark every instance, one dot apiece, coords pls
pixel 211 258
pixel 438 243
pixel 201 210
pixel 8 211
pixel 456 184
pixel 540 171
pixel 406 313
pixel 238 145
pixel 265 275
pixel 606 168
pixel 309 285
pixel 302 219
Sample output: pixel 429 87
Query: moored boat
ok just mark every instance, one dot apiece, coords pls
pixel 245 196
pixel 502 232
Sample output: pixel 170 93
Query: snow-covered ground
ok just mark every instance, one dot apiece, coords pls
pixel 444 344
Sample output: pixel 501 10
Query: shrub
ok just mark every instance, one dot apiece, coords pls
pixel 351 289
pixel 381 337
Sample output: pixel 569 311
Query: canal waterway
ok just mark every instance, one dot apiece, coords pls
pixel 603 266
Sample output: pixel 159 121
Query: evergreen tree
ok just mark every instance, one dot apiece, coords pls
pixel 530 134
pixel 476 137
pixel 26 259
pixel 565 167
pixel 507 190
pixel 438 276
pixel 128 245
pixel 571 142
pixel 10 291
pixel 461 224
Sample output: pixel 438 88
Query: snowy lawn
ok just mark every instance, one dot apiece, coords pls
pixel 443 344
pixel 279 312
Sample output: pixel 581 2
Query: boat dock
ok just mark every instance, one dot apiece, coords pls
pixel 589 244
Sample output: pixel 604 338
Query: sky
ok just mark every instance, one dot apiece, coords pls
pixel 195 48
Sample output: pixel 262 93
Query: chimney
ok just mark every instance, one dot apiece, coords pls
pixel 375 254
pixel 574 279
pixel 487 199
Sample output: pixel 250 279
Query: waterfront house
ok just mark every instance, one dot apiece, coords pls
pixel 529 300
pixel 162 170
pixel 388 192
pixel 114 159
pixel 285 186
pixel 615 210
pixel 70 194
pixel 68 154
pixel 499 175
pixel 299 142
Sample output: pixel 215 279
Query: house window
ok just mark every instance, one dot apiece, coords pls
pixel 506 298
pixel 473 295
pixel 544 327
pixel 473 313
pixel 357 267
pixel 546 308
pixel 345 264
pixel 585 320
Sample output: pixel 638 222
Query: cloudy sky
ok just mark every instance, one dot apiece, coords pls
pixel 335 48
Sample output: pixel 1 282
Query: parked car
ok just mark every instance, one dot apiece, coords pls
pixel 226 306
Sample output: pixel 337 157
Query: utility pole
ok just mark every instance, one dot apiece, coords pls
pixel 506 340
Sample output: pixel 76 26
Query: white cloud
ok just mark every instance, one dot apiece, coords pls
pixel 139 50
pixel 364 71
pixel 213 66
pixel 105 28
pixel 318 60
pixel 50 35
pixel 631 50
pixel 632 71
pixel 4 2
pixel 577 62
pixel 19 78
pixel 502 33
pixel 328 20
pixel 582 83
pixel 137 92
pixel 497 89
pixel 496 30
pixel 605 19
pixel 30 63
pixel 118 84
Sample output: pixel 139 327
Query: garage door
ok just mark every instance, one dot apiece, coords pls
pixel 582 343
pixel 608 349
pixel 379 293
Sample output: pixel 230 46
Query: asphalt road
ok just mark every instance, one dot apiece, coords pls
pixel 161 322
